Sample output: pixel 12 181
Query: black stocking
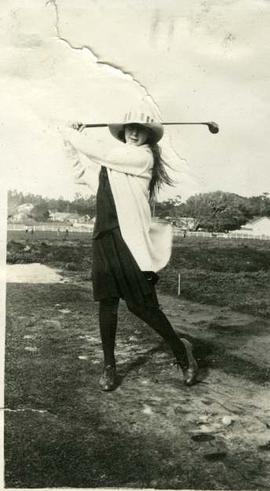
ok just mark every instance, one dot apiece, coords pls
pixel 108 309
pixel 155 318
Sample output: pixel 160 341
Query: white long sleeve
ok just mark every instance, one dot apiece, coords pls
pixel 129 159
pixel 83 172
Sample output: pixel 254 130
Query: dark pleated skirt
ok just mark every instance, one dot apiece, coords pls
pixel 115 273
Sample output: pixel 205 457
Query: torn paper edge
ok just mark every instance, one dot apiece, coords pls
pixel 3 248
pixel 95 58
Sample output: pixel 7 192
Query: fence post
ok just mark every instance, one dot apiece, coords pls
pixel 179 285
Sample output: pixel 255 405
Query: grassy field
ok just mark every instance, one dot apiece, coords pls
pixel 48 235
pixel 224 272
pixel 152 432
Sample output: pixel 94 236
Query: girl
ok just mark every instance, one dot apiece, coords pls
pixel 128 247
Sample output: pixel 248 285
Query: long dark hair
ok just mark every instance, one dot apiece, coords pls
pixel 159 173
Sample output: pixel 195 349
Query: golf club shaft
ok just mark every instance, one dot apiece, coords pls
pixel 212 126
pixel 103 125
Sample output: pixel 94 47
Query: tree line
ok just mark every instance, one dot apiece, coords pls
pixel 215 211
pixel 42 207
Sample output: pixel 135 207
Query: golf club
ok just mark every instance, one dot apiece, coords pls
pixel 212 126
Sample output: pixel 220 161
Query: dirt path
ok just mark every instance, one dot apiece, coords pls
pixel 152 431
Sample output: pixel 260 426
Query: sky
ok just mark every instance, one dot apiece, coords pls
pixel 89 60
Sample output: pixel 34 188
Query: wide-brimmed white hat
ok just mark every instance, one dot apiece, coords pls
pixel 144 118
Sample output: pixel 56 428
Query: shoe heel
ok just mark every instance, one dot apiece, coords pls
pixel 190 374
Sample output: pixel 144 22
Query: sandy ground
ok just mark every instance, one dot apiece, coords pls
pixel 151 431
pixel 32 273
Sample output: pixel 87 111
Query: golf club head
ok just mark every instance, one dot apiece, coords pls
pixel 213 127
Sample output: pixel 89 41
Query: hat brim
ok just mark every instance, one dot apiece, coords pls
pixel 117 130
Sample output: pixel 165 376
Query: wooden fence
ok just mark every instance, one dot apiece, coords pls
pixel 60 228
pixel 50 227
pixel 181 233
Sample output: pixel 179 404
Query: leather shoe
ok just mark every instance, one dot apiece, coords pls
pixel 190 373
pixel 108 379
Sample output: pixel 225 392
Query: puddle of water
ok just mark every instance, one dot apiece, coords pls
pixel 32 273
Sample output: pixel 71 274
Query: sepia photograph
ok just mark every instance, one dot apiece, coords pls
pixel 135 244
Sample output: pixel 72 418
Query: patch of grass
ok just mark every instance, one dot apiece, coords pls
pixel 72 255
pixel 244 292
pixel 225 272
pixel 221 255
pixel 221 272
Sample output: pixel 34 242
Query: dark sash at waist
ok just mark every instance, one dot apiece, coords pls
pixel 106 215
